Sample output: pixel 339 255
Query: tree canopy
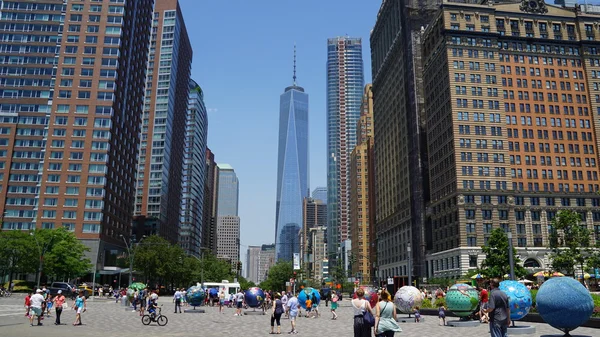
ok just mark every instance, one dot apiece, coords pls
pixel 569 242
pixel 496 262
pixel 278 275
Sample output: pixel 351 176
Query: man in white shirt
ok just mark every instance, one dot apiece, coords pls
pixel 240 301
pixel 177 299
pixel 36 307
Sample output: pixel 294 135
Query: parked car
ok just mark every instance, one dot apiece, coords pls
pixel 68 290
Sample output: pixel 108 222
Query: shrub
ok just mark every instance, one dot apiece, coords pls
pixel 439 302
pixel 426 304
pixel 21 286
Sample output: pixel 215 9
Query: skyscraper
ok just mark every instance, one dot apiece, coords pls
pixel 292 168
pixel 228 221
pixel 265 261
pixel 161 155
pixel 320 193
pixel 345 83
pixel 72 100
pixel 252 262
pixel 229 191
pixel 511 133
pixel 209 217
pixel 315 216
pixel 194 173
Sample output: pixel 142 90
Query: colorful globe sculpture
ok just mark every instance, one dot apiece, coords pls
pixel 519 298
pixel 564 303
pixel 407 298
pixel 462 299
pixel 305 294
pixel 369 292
pixel 254 297
pixel 195 296
pixel 130 294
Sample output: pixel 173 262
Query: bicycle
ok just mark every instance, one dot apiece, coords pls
pixel 155 317
pixel 5 293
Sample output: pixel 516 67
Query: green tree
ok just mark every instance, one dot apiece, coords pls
pixel 278 275
pixel 245 284
pixel 151 258
pixel 18 253
pixel 569 242
pixel 216 270
pixel 65 258
pixel 496 262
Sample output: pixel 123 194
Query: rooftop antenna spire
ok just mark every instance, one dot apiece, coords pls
pixel 294 64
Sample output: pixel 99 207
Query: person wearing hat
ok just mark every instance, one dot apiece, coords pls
pixel 59 301
pixel 36 307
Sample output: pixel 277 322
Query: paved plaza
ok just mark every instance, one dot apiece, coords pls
pixel 105 318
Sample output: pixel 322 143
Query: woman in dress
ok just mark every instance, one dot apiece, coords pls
pixel 385 318
pixel 360 306
pixel 334 305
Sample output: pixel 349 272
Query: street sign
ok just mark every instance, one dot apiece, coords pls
pixel 390 280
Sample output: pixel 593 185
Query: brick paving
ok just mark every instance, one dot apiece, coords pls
pixel 105 318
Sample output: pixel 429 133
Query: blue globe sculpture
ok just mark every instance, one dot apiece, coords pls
pixel 305 294
pixel 254 297
pixel 462 299
pixel 564 303
pixel 195 296
pixel 519 298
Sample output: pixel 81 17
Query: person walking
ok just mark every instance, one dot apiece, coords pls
pixel 293 312
pixel 59 301
pixel 36 303
pixel 360 306
pixel 499 310
pixel 239 299
pixel 221 300
pixel 27 304
pixel 385 317
pixel 143 297
pixel 284 300
pixel 80 306
pixel 177 300
pixel 334 305
pixel 49 303
pixel 315 305
pixel 276 315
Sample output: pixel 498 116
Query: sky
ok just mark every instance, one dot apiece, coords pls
pixel 243 60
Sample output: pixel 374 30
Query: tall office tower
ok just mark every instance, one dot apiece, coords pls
pixel 194 173
pixel 314 214
pixel 252 261
pixel 265 261
pixel 320 193
pixel 73 78
pixel 209 216
pixel 361 180
pixel 345 82
pixel 161 156
pixel 511 134
pixel 399 136
pixel 317 245
pixel 228 222
pixel 292 168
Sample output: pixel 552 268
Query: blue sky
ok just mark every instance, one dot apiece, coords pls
pixel 243 57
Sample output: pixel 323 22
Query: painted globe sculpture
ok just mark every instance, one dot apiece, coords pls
pixel 130 294
pixel 195 295
pixel 407 298
pixel 519 298
pixel 254 297
pixel 305 294
pixel 462 299
pixel 369 292
pixel 564 303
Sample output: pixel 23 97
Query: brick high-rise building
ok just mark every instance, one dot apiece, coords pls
pixel 71 101
pixel 209 217
pixel 161 155
pixel 361 181
pixel 512 91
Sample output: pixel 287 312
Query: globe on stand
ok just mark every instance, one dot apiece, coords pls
pixel 195 296
pixel 407 298
pixel 462 299
pixel 564 303
pixel 307 293
pixel 254 297
pixel 519 299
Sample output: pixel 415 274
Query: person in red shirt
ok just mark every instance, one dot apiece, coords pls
pixel 483 304
pixel 27 303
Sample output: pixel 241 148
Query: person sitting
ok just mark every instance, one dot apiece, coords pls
pixel 152 308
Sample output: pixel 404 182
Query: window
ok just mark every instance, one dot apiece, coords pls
pixel 473 261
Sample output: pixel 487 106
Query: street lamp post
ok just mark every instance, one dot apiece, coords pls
pixel 130 255
pixel 510 257
pixel 408 250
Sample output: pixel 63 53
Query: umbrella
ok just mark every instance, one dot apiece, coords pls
pixel 477 276
pixel 541 273
pixel 557 274
pixel 137 286
pixel 585 276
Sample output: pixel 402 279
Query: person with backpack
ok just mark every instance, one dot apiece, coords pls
pixel 142 294
pixel 276 315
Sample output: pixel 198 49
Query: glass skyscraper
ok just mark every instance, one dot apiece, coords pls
pixel 292 169
pixel 345 84
pixel 229 191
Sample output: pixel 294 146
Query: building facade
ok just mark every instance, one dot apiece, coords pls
pixel 194 173
pixel 320 193
pixel 228 222
pixel 161 154
pixel 345 82
pixel 252 263
pixel 314 214
pixel 512 137
pixel 361 175
pixel 72 98
pixel 209 211
pixel 292 166
pixel 228 191
pixel 400 156
pixel 265 261
pixel 317 246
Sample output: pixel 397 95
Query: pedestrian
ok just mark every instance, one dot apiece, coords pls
pixel 442 314
pixel 385 317
pixel 100 291
pixel 239 299
pixel 221 300
pixel 276 315
pixel 417 315
pixel 177 300
pixel 292 305
pixel 334 305
pixel 142 295
pixel 27 304
pixel 36 302
pixel 48 305
pixel 284 300
pixel 80 306
pixel 483 305
pixel 135 300
pixel 499 310
pixel 308 304
pixel 315 305
pixel 59 301
pixel 183 298
pixel 361 306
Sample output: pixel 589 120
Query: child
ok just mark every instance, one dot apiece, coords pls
pixel 442 315
pixel 152 308
pixel 308 307
pixel 417 315
pixel 49 303
pixel 334 306
pixel 28 304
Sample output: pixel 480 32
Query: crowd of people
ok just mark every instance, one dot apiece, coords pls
pixel 40 304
